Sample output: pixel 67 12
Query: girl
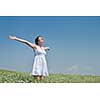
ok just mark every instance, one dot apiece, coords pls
pixel 39 66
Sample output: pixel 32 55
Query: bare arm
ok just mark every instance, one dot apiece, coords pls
pixel 23 41
pixel 46 48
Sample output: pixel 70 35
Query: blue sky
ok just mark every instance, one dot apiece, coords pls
pixel 74 43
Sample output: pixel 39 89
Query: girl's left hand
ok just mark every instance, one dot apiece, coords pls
pixel 12 37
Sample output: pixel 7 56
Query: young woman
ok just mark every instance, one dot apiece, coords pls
pixel 40 70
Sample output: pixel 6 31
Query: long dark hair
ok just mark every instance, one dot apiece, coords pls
pixel 36 39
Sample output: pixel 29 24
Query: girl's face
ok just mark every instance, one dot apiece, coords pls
pixel 40 41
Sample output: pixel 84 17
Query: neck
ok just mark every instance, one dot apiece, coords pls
pixel 40 45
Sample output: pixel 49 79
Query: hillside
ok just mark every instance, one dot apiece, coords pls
pixel 19 77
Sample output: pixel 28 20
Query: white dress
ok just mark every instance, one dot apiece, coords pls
pixel 40 64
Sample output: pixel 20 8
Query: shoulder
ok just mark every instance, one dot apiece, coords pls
pixel 35 47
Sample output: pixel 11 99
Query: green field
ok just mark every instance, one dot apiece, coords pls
pixel 19 77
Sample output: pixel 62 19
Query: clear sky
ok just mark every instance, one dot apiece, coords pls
pixel 74 43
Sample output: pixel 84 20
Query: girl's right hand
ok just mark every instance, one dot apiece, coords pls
pixel 12 37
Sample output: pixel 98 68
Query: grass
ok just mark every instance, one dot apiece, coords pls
pixel 19 77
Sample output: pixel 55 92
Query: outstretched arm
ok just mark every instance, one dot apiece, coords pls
pixel 23 41
pixel 46 48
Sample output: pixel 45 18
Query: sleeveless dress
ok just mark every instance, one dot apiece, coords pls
pixel 40 64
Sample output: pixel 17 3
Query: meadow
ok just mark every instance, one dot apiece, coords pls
pixel 22 77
